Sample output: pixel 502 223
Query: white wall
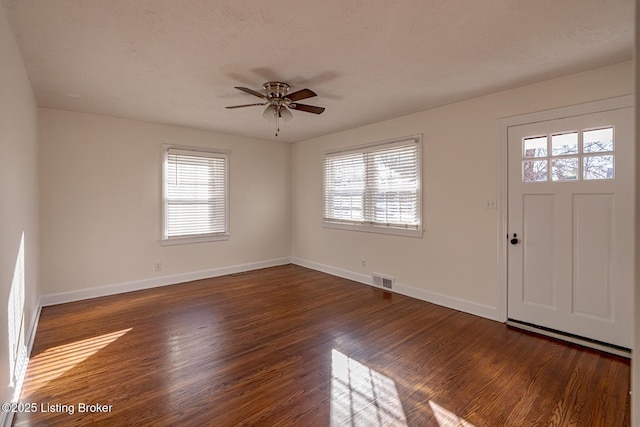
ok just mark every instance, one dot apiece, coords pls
pixel 457 257
pixel 18 197
pixel 101 202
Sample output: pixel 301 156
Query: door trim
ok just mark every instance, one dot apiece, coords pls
pixel 503 128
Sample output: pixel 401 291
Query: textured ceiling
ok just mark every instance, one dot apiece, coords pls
pixel 177 62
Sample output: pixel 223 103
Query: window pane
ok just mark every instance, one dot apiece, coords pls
pixel 534 170
pixel 195 193
pixel 565 169
pixel 564 143
pixel 192 219
pixel 392 186
pixel 375 186
pixel 597 167
pixel 598 140
pixel 535 147
pixel 344 179
pixel 346 206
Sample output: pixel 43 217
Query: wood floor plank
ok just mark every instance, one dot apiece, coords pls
pixel 289 346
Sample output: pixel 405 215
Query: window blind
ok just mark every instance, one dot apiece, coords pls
pixel 377 186
pixel 195 194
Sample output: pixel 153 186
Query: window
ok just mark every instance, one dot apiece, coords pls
pixel 375 188
pixel 587 155
pixel 195 195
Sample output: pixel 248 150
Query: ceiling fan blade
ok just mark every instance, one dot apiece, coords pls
pixel 251 92
pixel 245 105
pixel 301 94
pixel 307 108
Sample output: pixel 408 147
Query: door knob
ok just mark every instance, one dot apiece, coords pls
pixel 514 241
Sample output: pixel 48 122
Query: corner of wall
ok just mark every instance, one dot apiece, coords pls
pixel 19 245
pixel 635 362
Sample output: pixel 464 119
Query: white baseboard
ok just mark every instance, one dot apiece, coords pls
pixel 136 285
pixel 6 418
pixel 466 306
pixel 335 271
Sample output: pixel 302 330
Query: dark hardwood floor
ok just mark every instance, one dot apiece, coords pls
pixel 288 346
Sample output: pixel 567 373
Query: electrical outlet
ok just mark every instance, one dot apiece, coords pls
pixel 491 204
pixel 158 266
pixel 364 262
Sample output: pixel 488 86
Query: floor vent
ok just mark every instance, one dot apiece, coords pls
pixel 383 281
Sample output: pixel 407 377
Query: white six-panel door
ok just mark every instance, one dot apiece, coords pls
pixel 570 206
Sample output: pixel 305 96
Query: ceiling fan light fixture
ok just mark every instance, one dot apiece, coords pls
pixel 271 113
pixel 275 112
pixel 285 114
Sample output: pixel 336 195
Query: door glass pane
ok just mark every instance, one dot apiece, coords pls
pixel 598 140
pixel 534 170
pixel 564 169
pixel 597 167
pixel 564 143
pixel 535 147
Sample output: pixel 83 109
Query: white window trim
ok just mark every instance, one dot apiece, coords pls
pixel 379 229
pixel 374 229
pixel 169 241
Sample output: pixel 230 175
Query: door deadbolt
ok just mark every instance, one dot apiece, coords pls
pixel 514 241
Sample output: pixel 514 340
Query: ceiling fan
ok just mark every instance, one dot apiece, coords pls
pixel 279 102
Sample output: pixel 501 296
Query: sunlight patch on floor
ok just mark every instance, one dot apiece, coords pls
pixel 361 396
pixel 54 362
pixel 447 418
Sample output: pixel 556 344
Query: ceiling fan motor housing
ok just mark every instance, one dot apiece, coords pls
pixel 276 89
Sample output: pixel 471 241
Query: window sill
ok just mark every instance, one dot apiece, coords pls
pixel 374 229
pixel 196 239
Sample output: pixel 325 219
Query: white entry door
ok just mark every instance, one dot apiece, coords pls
pixel 570 222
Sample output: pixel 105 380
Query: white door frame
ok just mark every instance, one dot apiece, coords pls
pixel 503 128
